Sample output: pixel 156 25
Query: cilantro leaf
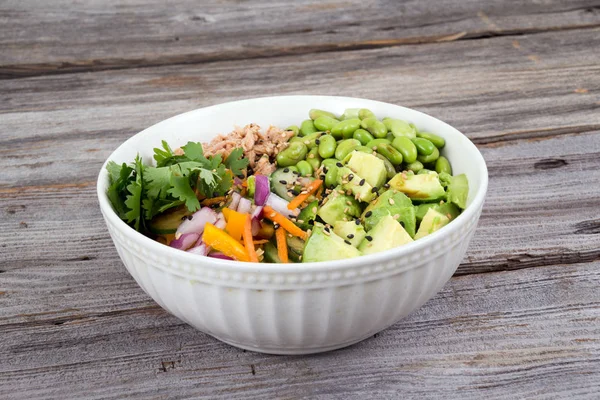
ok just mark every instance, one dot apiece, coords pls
pixel 182 190
pixel 119 178
pixel 158 181
pixel 133 202
pixel 236 161
pixel 162 155
pixel 193 151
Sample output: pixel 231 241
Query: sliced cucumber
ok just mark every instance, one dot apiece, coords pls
pixel 168 222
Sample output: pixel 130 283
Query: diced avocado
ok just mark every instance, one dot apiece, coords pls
pixel 448 209
pixel 369 167
pixel 271 255
pixel 350 180
pixel 350 231
pixel 432 221
pixel 424 187
pixel 392 203
pixel 399 199
pixel 168 222
pixel 295 248
pixel 307 215
pixel 339 207
pixel 387 234
pixel 458 190
pixel 327 246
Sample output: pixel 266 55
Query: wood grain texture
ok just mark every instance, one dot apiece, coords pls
pixel 71 36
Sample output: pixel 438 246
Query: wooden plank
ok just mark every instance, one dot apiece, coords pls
pixel 69 36
pixel 526 334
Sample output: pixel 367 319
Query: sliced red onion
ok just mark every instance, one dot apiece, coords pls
pixel 261 190
pixel 245 206
pixel 280 205
pixel 201 250
pixel 197 222
pixel 185 241
pixel 237 181
pixel 257 213
pixel 221 223
pixel 235 200
pixel 255 226
pixel 220 255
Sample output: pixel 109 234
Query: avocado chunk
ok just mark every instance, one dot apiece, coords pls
pixel 432 221
pixel 371 168
pixel 306 218
pixel 387 234
pixel 448 209
pixel 425 187
pixel 350 231
pixel 324 245
pixel 349 180
pixel 395 204
pixel 458 190
pixel 339 207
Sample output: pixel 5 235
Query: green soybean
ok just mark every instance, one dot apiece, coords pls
pixel 424 146
pixel 307 127
pixel 345 147
pixel 437 141
pixel 325 123
pixel 294 129
pixel 389 168
pixel 329 162
pixel 365 113
pixel 345 129
pixel 327 145
pixel 316 113
pixel 374 126
pixel 399 128
pixel 406 147
pixel 350 113
pixel 362 136
pixel 293 168
pixel 443 165
pixel 309 140
pixel 426 159
pixel 304 168
pixel 294 153
pixel 376 142
pixel 364 149
pixel 331 176
pixel 313 158
pixel 389 152
pixel 415 166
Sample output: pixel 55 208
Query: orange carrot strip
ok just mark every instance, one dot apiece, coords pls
pixel 247 235
pixel 260 241
pixel 212 201
pixel 310 189
pixel 285 223
pixel 282 249
pixel 221 241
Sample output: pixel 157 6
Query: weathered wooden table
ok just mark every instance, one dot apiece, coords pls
pixel 521 318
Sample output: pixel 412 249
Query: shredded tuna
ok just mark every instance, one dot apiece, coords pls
pixel 259 148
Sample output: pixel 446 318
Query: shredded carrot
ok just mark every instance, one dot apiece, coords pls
pixel 213 201
pixel 282 249
pixel 310 189
pixel 248 240
pixel 221 241
pixel 260 241
pixel 285 223
pixel 235 224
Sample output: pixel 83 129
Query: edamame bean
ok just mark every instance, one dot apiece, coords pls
pixel 309 140
pixel 362 136
pixel 313 158
pixel 325 123
pixel 331 177
pixel 424 146
pixel 443 165
pixel 437 141
pixel 345 129
pixel 346 147
pixel 376 142
pixel 304 168
pixel 294 129
pixel 294 153
pixel 327 145
pixel 316 113
pixel 374 126
pixel 365 113
pixel 389 168
pixel 350 113
pixel 307 127
pixel 329 162
pixel 415 166
pixel 389 152
pixel 364 149
pixel 406 147
pixel 293 168
pixel 429 158
pixel 399 128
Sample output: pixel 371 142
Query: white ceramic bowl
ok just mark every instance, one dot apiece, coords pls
pixel 293 308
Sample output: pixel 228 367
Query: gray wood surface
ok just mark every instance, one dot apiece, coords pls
pixel 521 319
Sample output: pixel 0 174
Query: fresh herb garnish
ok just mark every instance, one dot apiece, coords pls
pixel 139 192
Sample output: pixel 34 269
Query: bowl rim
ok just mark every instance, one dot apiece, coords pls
pixel 282 268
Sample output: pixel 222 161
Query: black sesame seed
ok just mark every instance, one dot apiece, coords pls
pixel 387 186
pixel 291 216
pixel 375 189
pixel 275 226
pixel 369 238
pixel 317 141
pixel 339 164
pixel 286 170
pixel 283 182
pixel 347 242
pixel 325 169
pixel 326 229
pixel 362 182
pixel 350 236
pixel 357 221
pixel 368 214
pixel 296 172
pixel 184 218
pixel 350 177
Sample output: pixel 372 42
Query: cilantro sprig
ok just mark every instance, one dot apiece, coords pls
pixel 139 192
